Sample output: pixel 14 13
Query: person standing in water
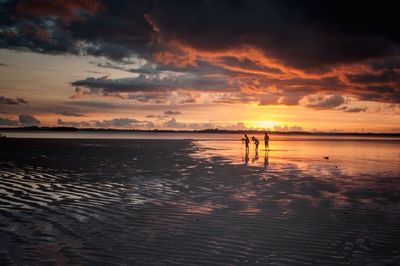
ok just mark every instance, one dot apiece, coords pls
pixel 256 141
pixel 266 140
pixel 246 141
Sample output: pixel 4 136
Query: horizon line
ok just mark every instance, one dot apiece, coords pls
pixel 208 130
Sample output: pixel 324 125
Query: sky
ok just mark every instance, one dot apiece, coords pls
pixel 275 65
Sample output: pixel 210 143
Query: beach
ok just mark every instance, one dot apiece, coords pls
pixel 199 202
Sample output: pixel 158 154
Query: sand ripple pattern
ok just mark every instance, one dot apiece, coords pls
pixel 116 205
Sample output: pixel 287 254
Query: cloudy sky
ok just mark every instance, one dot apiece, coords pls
pixel 283 65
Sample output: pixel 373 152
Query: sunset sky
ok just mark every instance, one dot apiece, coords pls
pixel 278 65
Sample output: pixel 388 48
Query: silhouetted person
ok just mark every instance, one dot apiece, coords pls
pixel 256 141
pixel 246 141
pixel 266 140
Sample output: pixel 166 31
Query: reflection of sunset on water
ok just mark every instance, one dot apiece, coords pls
pixel 346 156
pixel 178 198
pixel 310 163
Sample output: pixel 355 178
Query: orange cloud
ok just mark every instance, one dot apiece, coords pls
pixel 257 73
pixel 177 58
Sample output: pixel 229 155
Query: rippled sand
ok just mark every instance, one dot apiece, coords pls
pixel 141 202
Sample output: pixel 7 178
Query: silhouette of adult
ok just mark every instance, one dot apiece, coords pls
pixel 246 141
pixel 266 140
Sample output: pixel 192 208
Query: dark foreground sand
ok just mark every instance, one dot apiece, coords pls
pixel 146 202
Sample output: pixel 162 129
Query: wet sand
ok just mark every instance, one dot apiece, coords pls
pixel 145 202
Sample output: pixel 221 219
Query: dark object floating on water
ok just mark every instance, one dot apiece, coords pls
pixel 326 157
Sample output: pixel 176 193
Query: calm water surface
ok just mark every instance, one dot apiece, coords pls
pixel 350 155
pixel 347 156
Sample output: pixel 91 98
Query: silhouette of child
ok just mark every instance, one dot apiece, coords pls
pixel 256 141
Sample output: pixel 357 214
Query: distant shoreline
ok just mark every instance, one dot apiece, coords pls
pixel 207 131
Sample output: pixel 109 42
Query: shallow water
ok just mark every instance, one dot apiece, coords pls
pixel 349 156
pixel 171 202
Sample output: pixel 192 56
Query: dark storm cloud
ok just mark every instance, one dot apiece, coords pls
pixel 304 35
pixel 384 93
pixel 155 83
pixel 109 28
pixel 385 76
pixel 28 120
pixel 325 102
pixel 111 50
pixel 200 68
pixel 390 63
pixel 5 100
pixel 312 37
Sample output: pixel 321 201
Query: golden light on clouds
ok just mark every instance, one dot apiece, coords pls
pixel 61 65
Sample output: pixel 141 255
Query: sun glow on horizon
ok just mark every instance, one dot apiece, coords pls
pixel 262 124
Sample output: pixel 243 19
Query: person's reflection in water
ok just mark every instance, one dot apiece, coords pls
pixel 266 162
pixel 245 159
pixel 255 158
